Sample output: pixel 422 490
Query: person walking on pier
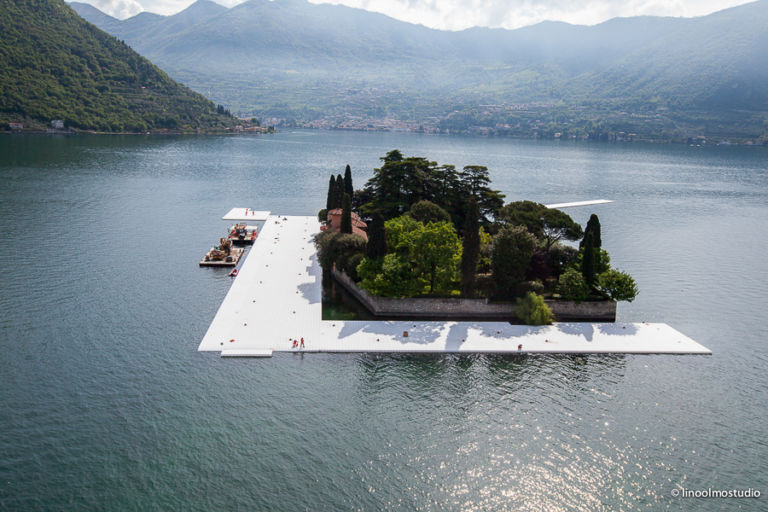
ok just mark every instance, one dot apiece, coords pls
pixel 302 342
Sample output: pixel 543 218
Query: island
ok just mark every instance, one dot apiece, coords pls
pixel 424 240
pixel 276 299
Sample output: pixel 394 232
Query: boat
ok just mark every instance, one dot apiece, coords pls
pixel 223 255
pixel 233 273
pixel 243 234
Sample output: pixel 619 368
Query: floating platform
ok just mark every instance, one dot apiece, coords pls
pixel 579 203
pixel 277 298
pixel 246 214
pixel 235 253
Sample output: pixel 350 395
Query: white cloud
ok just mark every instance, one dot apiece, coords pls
pixel 460 14
pixel 120 9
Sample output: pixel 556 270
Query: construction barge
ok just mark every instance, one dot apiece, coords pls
pixel 242 234
pixel 223 255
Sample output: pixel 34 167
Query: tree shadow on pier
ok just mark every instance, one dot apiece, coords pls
pixel 313 291
pixel 618 329
pixel 418 332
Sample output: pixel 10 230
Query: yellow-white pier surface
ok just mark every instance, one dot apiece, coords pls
pixel 276 297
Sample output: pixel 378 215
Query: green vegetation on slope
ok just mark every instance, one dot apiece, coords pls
pixel 55 65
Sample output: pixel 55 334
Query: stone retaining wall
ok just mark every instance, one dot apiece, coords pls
pixel 481 309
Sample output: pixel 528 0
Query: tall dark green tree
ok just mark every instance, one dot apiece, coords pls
pixel 348 188
pixel 377 239
pixel 471 249
pixel 339 194
pixel 594 256
pixel 346 214
pixel 588 261
pixel 593 226
pixel 329 200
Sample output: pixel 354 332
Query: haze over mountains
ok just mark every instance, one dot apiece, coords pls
pixel 332 65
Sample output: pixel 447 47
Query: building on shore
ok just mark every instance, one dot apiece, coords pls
pixel 334 223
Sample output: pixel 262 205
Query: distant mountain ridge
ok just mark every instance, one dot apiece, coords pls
pixel 56 66
pixel 294 59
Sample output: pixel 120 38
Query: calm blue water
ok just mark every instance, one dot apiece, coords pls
pixel 105 404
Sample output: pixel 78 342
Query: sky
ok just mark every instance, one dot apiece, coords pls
pixel 461 14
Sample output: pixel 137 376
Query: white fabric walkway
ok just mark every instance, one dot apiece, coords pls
pixel 277 297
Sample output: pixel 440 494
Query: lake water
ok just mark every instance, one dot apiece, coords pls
pixel 105 403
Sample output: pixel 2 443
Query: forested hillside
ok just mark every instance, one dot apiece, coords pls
pixel 55 65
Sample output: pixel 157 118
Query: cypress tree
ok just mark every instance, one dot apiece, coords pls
pixel 331 190
pixel 593 226
pixel 471 249
pixel 377 240
pixel 339 192
pixel 588 262
pixel 348 181
pixel 346 215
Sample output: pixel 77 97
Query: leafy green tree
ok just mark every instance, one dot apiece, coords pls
pixel 426 211
pixel 437 251
pixel 470 249
pixel 532 310
pixel 513 247
pixel 346 215
pixel 561 257
pixel 339 249
pixel 617 285
pixel 348 188
pixel 572 286
pixel 421 259
pixel 393 276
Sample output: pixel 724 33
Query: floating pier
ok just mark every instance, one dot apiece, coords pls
pixel 579 203
pixel 277 295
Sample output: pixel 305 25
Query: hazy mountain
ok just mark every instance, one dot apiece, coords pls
pixel 294 58
pixel 55 65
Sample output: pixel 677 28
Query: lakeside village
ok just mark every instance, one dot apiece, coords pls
pixel 440 239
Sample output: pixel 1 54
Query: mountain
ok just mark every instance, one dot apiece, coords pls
pixel 335 65
pixel 55 65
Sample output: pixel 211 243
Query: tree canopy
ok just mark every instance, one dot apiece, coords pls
pixel 401 182
pixel 549 225
pixel 513 247
pixel 422 259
